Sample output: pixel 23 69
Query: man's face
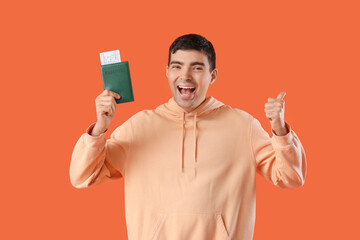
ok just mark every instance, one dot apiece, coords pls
pixel 189 77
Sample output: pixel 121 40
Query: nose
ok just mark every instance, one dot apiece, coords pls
pixel 185 73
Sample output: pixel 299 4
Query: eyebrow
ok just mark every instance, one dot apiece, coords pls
pixel 176 62
pixel 192 64
pixel 197 63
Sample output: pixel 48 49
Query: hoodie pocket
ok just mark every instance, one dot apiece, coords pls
pixel 190 226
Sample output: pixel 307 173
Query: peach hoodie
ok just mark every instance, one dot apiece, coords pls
pixel 189 176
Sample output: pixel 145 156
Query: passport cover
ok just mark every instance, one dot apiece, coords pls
pixel 116 77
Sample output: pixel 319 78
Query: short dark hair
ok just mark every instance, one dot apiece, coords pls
pixel 196 42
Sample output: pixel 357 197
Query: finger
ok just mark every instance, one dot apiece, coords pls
pixel 113 101
pixel 113 105
pixel 108 92
pixel 104 108
pixel 281 95
pixel 270 115
pixel 102 102
pixel 108 111
pixel 115 95
pixel 271 99
pixel 273 104
pixel 108 99
pixel 112 109
pixel 273 111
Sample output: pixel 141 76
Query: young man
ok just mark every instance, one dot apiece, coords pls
pixel 189 165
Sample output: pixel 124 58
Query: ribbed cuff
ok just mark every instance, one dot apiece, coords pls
pixel 282 140
pixel 94 141
pixel 90 128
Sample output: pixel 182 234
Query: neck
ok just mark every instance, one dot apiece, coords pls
pixel 188 110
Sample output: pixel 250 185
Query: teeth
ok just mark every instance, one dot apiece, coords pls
pixel 187 87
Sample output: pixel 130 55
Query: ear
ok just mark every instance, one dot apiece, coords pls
pixel 213 76
pixel 167 71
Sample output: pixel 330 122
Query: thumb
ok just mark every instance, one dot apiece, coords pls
pixel 281 95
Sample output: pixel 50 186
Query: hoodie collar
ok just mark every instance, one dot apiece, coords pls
pixel 174 111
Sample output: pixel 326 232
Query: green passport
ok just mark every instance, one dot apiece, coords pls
pixel 116 77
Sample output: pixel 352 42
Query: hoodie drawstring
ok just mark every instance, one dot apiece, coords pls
pixel 182 142
pixel 195 139
pixel 172 111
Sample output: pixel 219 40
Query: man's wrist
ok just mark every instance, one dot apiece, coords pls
pixel 281 132
pixel 95 132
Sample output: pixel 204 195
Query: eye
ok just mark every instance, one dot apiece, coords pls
pixel 175 66
pixel 198 68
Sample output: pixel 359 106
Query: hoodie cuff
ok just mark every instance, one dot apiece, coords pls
pixel 94 139
pixel 282 140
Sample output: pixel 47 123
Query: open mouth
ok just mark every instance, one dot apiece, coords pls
pixel 186 92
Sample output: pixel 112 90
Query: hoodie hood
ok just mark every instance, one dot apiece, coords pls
pixel 173 111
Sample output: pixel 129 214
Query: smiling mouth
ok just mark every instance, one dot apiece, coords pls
pixel 186 93
pixel 186 90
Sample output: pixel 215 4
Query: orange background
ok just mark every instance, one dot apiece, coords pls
pixel 50 77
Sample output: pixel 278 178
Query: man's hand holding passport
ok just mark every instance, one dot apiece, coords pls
pixel 116 75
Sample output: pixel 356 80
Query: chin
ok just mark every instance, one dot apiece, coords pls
pixel 184 103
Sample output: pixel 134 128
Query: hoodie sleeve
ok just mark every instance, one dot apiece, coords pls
pixel 281 159
pixel 96 160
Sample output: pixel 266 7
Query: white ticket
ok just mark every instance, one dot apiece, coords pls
pixel 110 57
